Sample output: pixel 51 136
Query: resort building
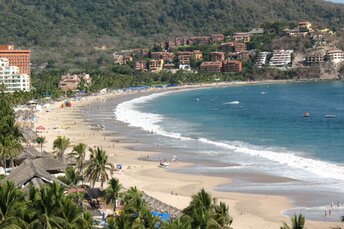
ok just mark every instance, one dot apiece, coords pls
pixel 141 66
pixel 262 58
pixel 12 79
pixel 335 56
pixel 71 82
pixel 232 66
pixel 281 58
pixel 315 59
pixel 217 37
pixel 201 40
pixel 304 25
pixel 242 37
pixel 217 56
pixel 122 59
pixel 19 58
pixel 156 65
pixel 233 47
pixel 184 58
pixel 166 56
pixel 211 66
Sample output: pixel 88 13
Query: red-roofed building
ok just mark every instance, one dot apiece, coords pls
pixel 211 66
pixel 232 66
pixel 19 58
pixel 217 37
pixel 217 56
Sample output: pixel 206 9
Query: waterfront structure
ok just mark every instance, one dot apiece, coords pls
pixel 210 66
pixel 70 82
pixel 19 58
pixel 12 79
pixel 261 58
pixel 184 58
pixel 335 56
pixel 281 58
pixel 232 66
pixel 156 65
pixel 315 59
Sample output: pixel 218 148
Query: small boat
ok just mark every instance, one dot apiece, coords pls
pixel 102 126
pixel 234 102
pixel 197 100
pixel 165 164
pixel 330 116
pixel 306 115
pixel 263 93
pixel 214 109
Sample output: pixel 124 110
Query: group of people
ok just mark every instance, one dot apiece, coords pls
pixel 329 211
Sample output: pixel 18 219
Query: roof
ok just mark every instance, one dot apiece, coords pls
pixel 94 193
pixel 31 152
pixel 29 134
pixel 209 63
pixel 50 164
pixel 30 173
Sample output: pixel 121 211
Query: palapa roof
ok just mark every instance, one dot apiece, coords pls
pixel 50 164
pixel 31 152
pixel 29 134
pixel 30 173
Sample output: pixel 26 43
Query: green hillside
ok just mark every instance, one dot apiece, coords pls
pixel 70 30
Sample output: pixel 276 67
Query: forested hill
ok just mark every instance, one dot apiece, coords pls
pixel 69 28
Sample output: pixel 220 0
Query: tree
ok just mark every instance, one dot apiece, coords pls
pixel 61 144
pixel 41 140
pixel 97 167
pixel 297 222
pixel 178 223
pixel 112 192
pixel 79 153
pixel 72 177
pixel 12 206
pixel 205 213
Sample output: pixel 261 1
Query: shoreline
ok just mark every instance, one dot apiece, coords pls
pixel 256 210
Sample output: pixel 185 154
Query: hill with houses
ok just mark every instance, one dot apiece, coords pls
pixel 85 31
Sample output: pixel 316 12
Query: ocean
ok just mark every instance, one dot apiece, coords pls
pixel 255 129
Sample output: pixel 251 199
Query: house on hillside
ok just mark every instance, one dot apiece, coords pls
pixel 210 66
pixel 71 82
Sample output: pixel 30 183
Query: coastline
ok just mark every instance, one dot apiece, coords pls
pixel 248 210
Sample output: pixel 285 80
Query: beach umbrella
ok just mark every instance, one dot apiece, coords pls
pixel 40 128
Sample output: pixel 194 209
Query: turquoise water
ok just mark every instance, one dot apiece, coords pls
pixel 265 116
pixel 255 129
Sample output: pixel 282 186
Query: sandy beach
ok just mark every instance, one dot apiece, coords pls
pixel 248 210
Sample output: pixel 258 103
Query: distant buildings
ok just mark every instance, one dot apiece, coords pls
pixel 315 58
pixel 242 37
pixel 232 66
pixel 261 58
pixel 156 65
pixel 71 82
pixel 281 58
pixel 335 56
pixel 19 58
pixel 210 66
pixel 12 79
pixel 217 56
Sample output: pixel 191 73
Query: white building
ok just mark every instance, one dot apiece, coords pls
pixel 262 58
pixel 281 58
pixel 335 56
pixel 11 79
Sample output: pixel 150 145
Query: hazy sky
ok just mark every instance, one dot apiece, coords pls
pixel 340 1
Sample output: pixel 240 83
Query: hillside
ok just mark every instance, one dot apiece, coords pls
pixel 69 30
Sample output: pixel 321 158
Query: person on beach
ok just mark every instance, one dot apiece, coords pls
pixel 325 213
pixel 329 211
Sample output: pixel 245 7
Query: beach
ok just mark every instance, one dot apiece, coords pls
pixel 248 210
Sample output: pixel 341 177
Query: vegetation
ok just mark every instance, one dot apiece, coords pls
pixel 70 34
pixel 297 222
pixel 61 144
pixel 41 140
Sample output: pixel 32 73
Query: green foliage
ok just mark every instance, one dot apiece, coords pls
pixel 68 34
pixel 60 144
pixel 297 222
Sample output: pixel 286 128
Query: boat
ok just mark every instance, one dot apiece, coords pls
pixel 234 102
pixel 330 116
pixel 165 164
pixel 197 99
pixel 306 115
pixel 214 109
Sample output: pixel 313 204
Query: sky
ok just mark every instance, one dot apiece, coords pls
pixel 338 1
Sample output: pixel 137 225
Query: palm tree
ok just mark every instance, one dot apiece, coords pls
pixel 79 152
pixel 61 144
pixel 98 167
pixel 72 177
pixel 178 223
pixel 12 206
pixel 112 192
pixel 146 220
pixel 297 222
pixel 46 204
pixel 41 140
pixel 14 149
pixel 205 213
pixel 73 215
